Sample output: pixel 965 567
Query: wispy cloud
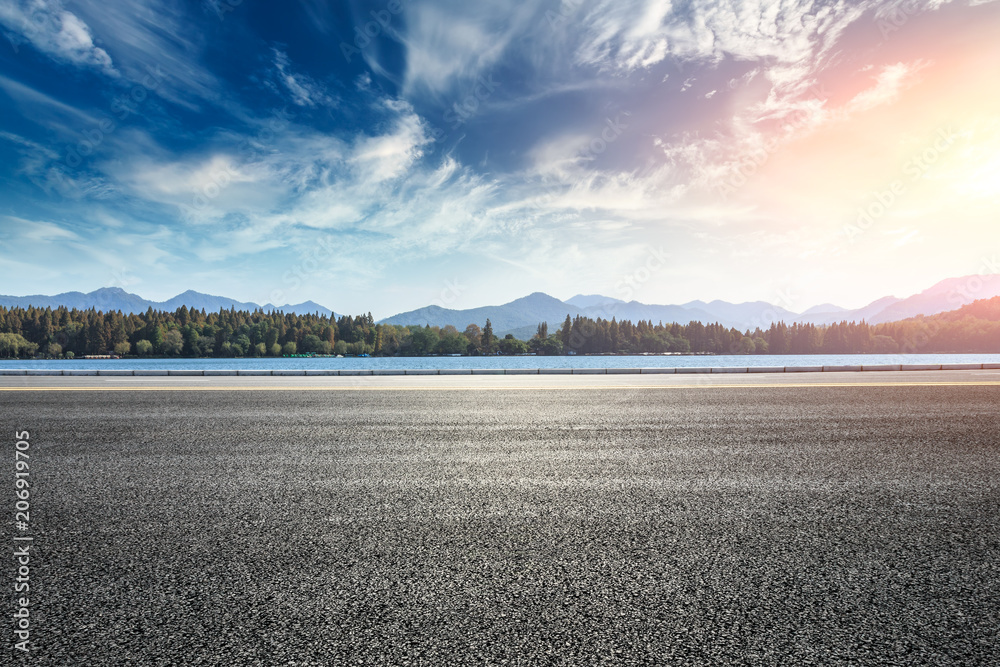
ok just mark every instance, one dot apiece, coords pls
pixel 304 91
pixel 56 32
pixel 449 44
pixel 889 82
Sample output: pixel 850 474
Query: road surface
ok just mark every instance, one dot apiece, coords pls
pixel 820 519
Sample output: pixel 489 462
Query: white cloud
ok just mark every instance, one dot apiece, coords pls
pixel 889 82
pixel 304 91
pixel 449 44
pixel 387 156
pixel 58 33
pixel 38 230
pixel 153 43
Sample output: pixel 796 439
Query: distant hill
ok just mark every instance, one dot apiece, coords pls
pixel 115 298
pixel 946 295
pixel 824 308
pixel 943 296
pixel 635 311
pixel 521 316
pixel 983 309
pixel 747 315
pixel 867 313
pixel 527 311
pixel 590 300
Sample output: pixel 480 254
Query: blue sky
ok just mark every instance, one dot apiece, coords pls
pixel 383 156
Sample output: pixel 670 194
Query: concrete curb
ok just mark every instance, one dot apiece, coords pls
pixel 512 371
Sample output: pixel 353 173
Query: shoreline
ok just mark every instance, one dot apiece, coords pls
pixel 861 368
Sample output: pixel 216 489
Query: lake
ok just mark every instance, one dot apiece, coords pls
pixel 419 363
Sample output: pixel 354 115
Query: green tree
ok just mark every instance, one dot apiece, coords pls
pixel 550 346
pixel 289 348
pixel 123 348
pixel 566 332
pixel 205 345
pixel 423 340
pixel 156 337
pixel 16 345
pixel 191 347
pixel 243 341
pixel 173 342
pixel 510 345
pixel 884 345
pixel 452 344
pixel 310 343
pixel 143 347
pixel 488 341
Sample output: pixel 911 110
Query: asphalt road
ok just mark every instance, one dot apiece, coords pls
pixel 478 382
pixel 601 524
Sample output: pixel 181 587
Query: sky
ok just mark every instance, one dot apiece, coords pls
pixel 384 156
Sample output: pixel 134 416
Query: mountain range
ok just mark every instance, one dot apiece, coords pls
pixel 115 298
pixel 522 316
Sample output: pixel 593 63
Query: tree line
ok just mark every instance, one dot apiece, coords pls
pixel 69 333
pixel 62 332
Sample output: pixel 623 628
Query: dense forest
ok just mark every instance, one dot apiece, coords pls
pixel 31 332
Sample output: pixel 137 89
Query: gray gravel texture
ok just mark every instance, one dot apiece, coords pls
pixel 763 526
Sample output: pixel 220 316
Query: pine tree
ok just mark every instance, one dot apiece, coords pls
pixel 488 339
pixel 566 332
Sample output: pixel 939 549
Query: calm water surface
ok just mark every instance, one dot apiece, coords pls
pixel 652 361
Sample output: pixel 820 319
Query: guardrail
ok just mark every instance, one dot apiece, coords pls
pixel 511 371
